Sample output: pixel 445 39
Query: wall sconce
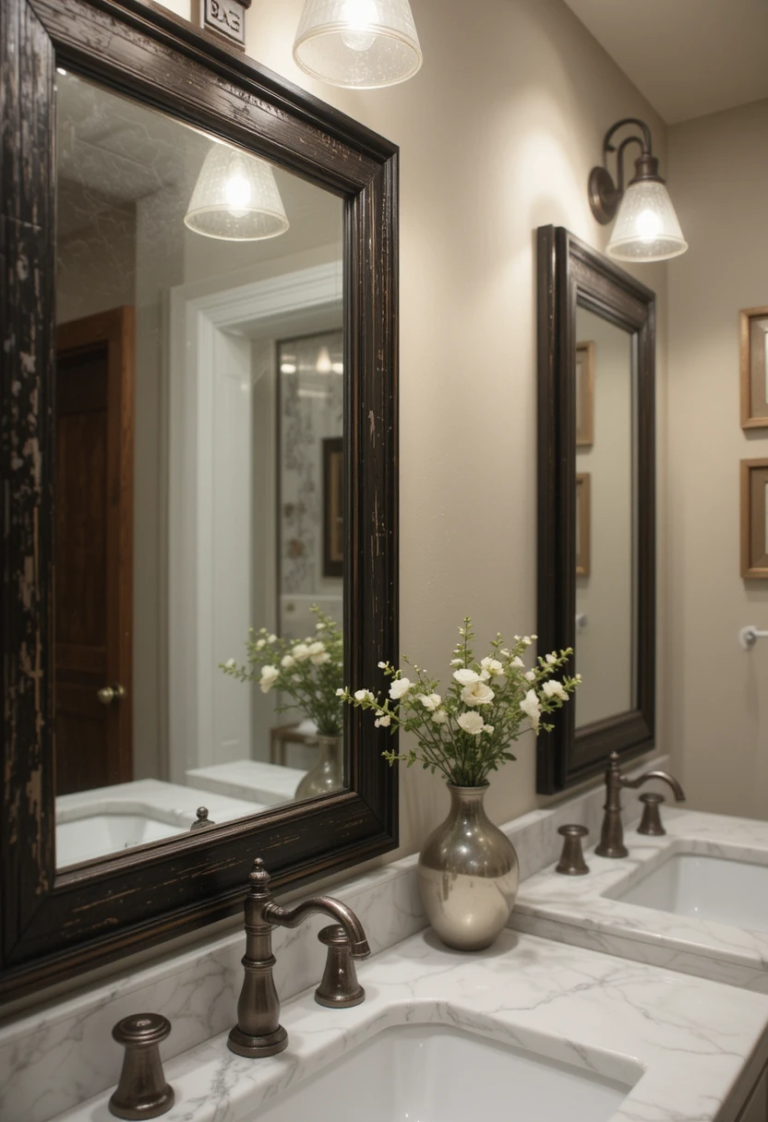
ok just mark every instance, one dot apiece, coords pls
pixel 364 44
pixel 235 198
pixel 646 227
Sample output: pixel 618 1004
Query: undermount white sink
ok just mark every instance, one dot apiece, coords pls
pixel 434 1073
pixel 711 888
pixel 94 835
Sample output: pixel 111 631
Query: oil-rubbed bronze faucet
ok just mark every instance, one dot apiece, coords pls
pixel 258 1031
pixel 612 833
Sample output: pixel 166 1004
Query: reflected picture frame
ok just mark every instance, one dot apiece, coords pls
pixel 754 519
pixel 583 524
pixel 753 355
pixel 333 507
pixel 585 394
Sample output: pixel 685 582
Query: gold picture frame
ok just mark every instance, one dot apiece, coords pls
pixel 753 350
pixel 583 513
pixel 585 394
pixel 754 519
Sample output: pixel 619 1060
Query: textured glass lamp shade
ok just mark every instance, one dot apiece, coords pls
pixel 235 198
pixel 646 227
pixel 359 43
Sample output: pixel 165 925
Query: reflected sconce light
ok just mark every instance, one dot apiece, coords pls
pixel 363 44
pixel 235 198
pixel 646 227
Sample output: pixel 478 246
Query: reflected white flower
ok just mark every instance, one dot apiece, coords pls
pixel 340 692
pixel 399 688
pixel 288 661
pixel 383 721
pixel 301 652
pixel 271 638
pixel 430 700
pixel 230 663
pixel 269 675
pixel 382 666
pixel 440 717
pixel 477 694
pixel 260 644
pixel 319 627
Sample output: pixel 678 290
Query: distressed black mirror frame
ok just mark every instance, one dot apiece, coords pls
pixel 570 274
pixel 55 924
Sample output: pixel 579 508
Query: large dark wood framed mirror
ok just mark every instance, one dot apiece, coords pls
pixel 199 293
pixel 596 510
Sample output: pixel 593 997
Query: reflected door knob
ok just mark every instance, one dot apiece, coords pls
pixel 108 694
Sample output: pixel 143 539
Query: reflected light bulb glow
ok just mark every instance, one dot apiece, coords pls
pixel 237 193
pixel 648 225
pixel 323 364
pixel 358 15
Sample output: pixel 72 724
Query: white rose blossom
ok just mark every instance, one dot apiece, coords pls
pixel 269 675
pixel 430 701
pixel 230 664
pixel 531 706
pixel 382 720
pixel 554 688
pixel 493 666
pixel 301 652
pixel 399 688
pixel 477 694
pixel 363 695
pixel 457 662
pixel 440 717
pixel 471 723
pixel 288 661
pixel 530 676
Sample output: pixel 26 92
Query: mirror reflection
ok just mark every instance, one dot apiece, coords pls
pixel 606 550
pixel 199 482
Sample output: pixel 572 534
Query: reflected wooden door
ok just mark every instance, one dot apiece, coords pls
pixel 94 550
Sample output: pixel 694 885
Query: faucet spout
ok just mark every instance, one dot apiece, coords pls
pixel 322 905
pixel 677 790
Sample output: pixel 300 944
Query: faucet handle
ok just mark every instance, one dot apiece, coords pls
pixel 339 988
pixel 142 1091
pixel 650 823
pixel 572 863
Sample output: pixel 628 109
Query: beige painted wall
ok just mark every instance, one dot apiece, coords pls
pixel 497 134
pixel 716 717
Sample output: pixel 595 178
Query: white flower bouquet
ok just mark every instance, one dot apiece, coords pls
pixel 310 671
pixel 465 732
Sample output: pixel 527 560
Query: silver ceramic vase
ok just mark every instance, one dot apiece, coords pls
pixel 327 775
pixel 468 874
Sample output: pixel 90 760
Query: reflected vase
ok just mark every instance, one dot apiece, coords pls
pixel 468 874
pixel 327 775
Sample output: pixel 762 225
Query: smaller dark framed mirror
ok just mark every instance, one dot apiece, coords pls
pixel 596 504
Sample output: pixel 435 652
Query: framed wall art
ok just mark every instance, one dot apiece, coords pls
pixel 754 519
pixel 753 343
pixel 585 395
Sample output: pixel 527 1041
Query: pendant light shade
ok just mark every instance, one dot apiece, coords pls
pixel 646 227
pixel 236 198
pixel 359 43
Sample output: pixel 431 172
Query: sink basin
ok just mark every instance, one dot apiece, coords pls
pixel 94 835
pixel 433 1073
pixel 712 888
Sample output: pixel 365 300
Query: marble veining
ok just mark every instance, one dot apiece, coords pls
pixel 581 910
pixel 57 1056
pixel 679 1044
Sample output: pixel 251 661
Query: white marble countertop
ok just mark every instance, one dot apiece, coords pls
pixel 686 1048
pixel 575 909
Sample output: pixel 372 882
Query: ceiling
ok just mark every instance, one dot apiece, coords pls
pixel 688 57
